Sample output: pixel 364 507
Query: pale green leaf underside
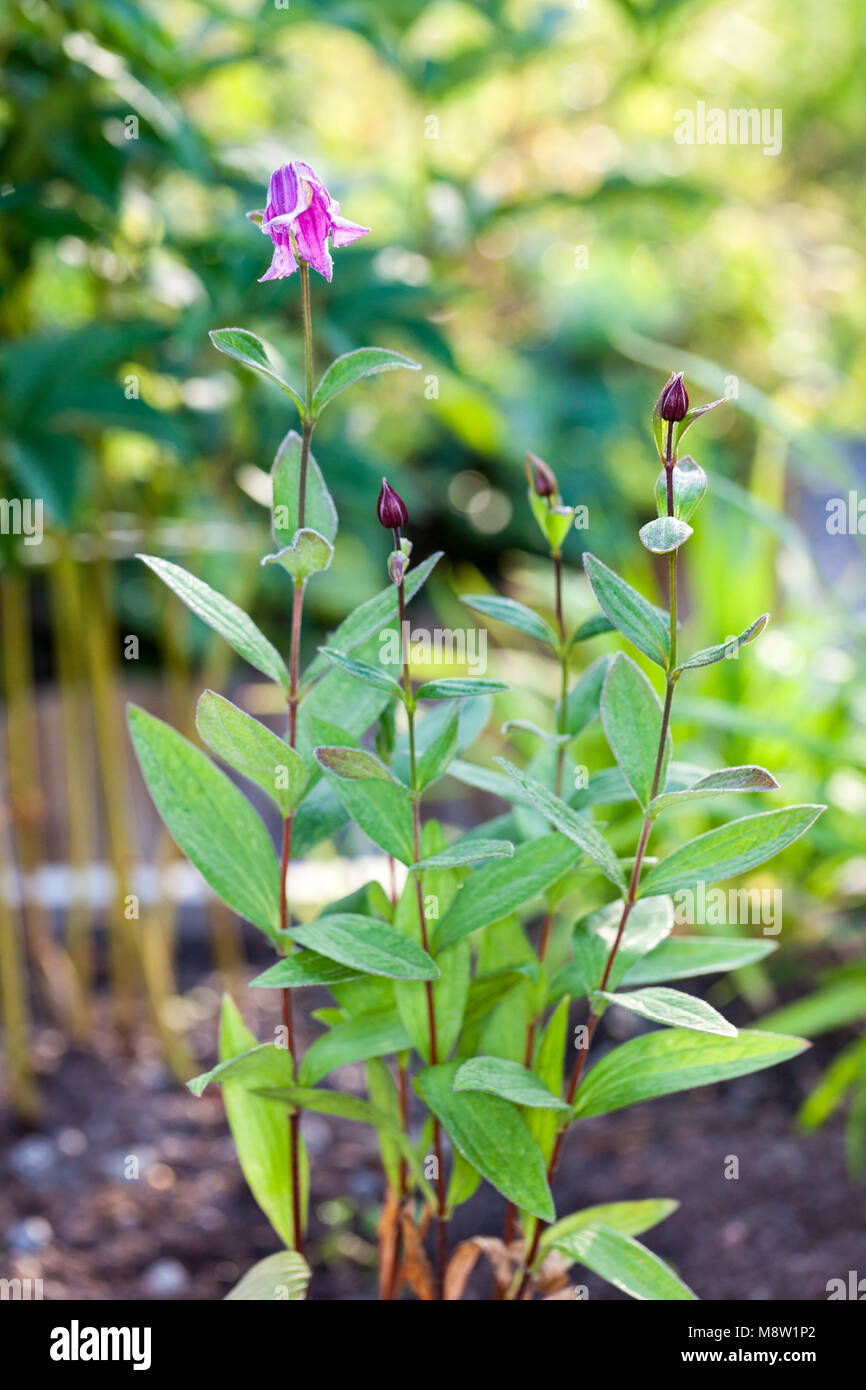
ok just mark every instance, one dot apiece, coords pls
pixel 625 1263
pixel 672 1007
pixel 367 944
pixel 500 1077
pixel 631 1218
pixel 352 366
pixel 280 1278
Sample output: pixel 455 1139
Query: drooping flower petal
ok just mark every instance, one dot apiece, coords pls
pixel 344 232
pixel 311 235
pixel 283 262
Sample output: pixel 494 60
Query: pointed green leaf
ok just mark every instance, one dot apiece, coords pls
pixel 496 889
pixel 383 811
pixel 369 618
pixel 305 968
pixel 250 351
pixel 253 750
pixel 457 688
pixel 320 514
pixel 493 1136
pixel 629 611
pixel 364 671
pixel 280 1278
pixel 513 614
pixel 683 957
pixel 583 700
pixel 368 945
pixel 675 1059
pixel 649 922
pixel 625 1263
pixel 631 715
pixel 209 818
pixel 511 1081
pixel 355 1040
pixel 352 366
pixel 591 627
pixel 727 779
pixel 467 852
pixel 730 849
pixel 569 822
pixel 672 1007
pixel 352 764
pixel 433 760
pixel 631 1218
pixel 708 655
pixel 224 617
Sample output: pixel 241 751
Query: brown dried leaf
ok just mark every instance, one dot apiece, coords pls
pixel 388 1232
pixel 416 1267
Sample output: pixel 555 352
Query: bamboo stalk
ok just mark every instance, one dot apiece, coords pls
pixel 23 1094
pixel 27 807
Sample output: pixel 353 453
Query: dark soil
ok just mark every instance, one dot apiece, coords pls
pixel 130 1189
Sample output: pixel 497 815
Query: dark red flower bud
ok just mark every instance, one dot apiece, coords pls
pixel 673 402
pixel 542 478
pixel 390 508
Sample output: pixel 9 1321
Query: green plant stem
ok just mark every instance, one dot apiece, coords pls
pixel 547 924
pixel 294 700
pixel 441 1216
pixel 629 903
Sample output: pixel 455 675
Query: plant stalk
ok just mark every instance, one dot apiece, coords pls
pixel 441 1216
pixel 634 881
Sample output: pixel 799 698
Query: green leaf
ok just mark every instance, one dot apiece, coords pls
pixel 834 1005
pixel 629 611
pixel 511 1081
pixel 309 553
pixel 690 485
pixel 486 780
pixel 383 1095
pixel 708 655
pixel 672 1007
pixel 320 514
pixel 569 822
pixel 730 849
pixel 382 809
pixel 356 1040
pixel 368 945
pixel 493 1136
pixel 370 617
pixel 463 1181
pixel 649 922
pixel 664 534
pixel 513 614
pixel 493 891
pixel 467 852
pixel 258 1127
pixel 674 1059
pixel 280 1278
pixel 434 759
pixel 631 715
pixel 250 351
pixel 352 366
pixel 728 779
pixel 352 764
pixel 683 957
pixel 548 1065
pixel 364 671
pixel 224 617
pixel 630 1218
pixel 591 627
pixel 210 819
pixel 253 750
pixel 305 968
pixel 457 688
pixel 625 1263
pixel 583 700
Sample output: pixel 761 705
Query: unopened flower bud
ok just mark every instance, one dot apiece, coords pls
pixel 541 477
pixel 398 563
pixel 390 508
pixel 673 403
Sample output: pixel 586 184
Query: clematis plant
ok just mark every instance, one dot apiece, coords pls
pixel 444 986
pixel 300 217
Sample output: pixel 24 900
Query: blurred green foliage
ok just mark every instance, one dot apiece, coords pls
pixel 541 243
